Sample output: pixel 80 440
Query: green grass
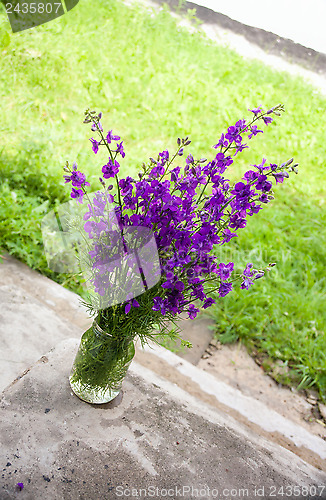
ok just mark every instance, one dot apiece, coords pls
pixel 155 82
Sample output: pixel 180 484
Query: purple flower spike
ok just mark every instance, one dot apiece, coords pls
pixel 169 198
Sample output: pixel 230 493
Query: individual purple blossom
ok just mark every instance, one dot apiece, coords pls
pixel 248 275
pixel 237 222
pixel 208 303
pixel 280 176
pixel 254 131
pixel 250 176
pixel 248 271
pixel 77 179
pixel 228 235
pixel 97 126
pixel 77 194
pixel 95 145
pixel 20 486
pixel 261 167
pixel 262 184
pixel 224 270
pixel 120 149
pixel 164 156
pixel 256 111
pixel 224 289
pixel 254 209
pixel 246 283
pixel 110 169
pixel 267 119
pixel 192 311
pixel 189 159
pixel 110 137
pixel 240 148
pixel 264 198
pixel 126 186
pixel 233 135
pixel 223 142
pixel 159 305
pixel 133 303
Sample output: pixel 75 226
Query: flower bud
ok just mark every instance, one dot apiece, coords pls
pixel 179 141
pixel 259 275
pixel 289 162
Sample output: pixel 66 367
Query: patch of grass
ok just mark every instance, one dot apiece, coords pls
pixel 283 314
pixel 26 196
pixel 154 82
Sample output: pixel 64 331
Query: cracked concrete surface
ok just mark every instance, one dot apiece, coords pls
pixel 158 436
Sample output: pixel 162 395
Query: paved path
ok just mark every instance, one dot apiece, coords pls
pixel 302 21
pixel 251 42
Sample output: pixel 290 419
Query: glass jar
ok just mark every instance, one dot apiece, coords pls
pixel 100 365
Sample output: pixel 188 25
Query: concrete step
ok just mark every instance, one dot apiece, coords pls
pixel 156 440
pixel 232 402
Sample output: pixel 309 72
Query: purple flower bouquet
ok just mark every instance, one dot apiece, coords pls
pixel 147 245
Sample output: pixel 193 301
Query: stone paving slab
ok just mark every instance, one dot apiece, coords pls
pixel 156 437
